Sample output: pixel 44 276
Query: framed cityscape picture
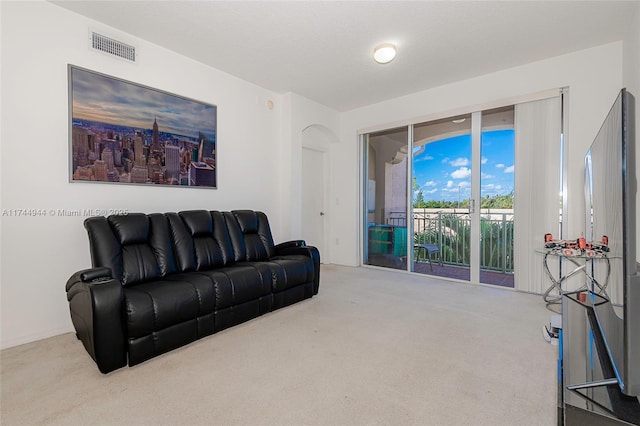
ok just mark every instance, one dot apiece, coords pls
pixel 125 133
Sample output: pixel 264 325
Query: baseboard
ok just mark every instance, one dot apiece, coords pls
pixel 44 334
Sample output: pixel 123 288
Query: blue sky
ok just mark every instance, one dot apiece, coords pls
pixel 100 98
pixel 443 170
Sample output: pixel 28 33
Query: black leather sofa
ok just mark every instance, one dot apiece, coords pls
pixel 160 281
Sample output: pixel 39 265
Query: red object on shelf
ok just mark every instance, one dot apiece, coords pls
pixel 582 243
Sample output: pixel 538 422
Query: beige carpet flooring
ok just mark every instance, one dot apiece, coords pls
pixel 373 348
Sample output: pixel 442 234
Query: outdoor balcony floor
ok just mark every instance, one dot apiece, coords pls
pixel 462 273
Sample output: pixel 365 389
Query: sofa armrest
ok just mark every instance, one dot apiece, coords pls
pixel 96 304
pixel 88 275
pixel 289 244
pixel 304 250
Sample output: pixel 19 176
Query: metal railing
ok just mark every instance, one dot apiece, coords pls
pixel 450 230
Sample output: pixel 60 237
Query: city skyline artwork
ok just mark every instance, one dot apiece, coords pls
pixel 123 132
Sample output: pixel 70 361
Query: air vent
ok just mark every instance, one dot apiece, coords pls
pixel 113 47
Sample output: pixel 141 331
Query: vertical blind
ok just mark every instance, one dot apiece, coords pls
pixel 537 203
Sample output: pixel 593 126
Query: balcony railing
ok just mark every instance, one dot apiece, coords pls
pixel 451 231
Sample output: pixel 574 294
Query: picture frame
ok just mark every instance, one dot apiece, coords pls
pixel 126 133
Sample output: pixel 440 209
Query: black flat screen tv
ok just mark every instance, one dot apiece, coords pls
pixel 610 193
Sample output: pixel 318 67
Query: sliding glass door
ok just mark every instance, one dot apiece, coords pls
pixel 454 216
pixel 386 225
pixel 497 171
pixel 440 196
pixel 442 171
pixel 463 183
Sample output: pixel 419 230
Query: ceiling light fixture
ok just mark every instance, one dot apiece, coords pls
pixel 384 53
pixel 459 120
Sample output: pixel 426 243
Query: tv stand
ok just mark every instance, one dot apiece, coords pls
pixel 581 262
pixel 588 391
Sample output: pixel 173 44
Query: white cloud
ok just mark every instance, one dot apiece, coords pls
pixel 459 162
pixel 450 184
pixel 430 183
pixel 445 160
pixel 461 173
pixel 499 166
pixel 432 191
pixel 508 169
pixel 489 186
pixel 487 176
pixel 484 160
pixel 464 184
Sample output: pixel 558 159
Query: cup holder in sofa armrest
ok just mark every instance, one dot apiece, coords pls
pixel 95 274
pixel 290 244
pixel 101 274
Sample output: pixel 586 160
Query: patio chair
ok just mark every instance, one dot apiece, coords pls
pixel 429 250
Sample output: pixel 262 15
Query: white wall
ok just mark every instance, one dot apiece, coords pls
pixel 39 254
pixel 594 77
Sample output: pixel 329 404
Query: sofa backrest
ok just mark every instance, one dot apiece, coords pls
pixel 137 247
pixel 141 247
pixel 250 235
pixel 201 240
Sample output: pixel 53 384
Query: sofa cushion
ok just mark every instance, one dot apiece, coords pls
pixel 201 240
pixel 138 264
pixel 131 229
pixel 291 271
pixel 156 305
pixel 135 247
pixel 239 283
pixel 250 235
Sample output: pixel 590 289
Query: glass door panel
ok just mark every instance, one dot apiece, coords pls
pixel 441 190
pixel 496 196
pixel 386 197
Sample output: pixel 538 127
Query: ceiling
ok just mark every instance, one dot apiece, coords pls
pixel 322 50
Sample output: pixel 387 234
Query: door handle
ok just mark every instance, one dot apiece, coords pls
pixel 321 213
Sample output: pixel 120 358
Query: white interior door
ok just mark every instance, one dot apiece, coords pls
pixel 313 198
